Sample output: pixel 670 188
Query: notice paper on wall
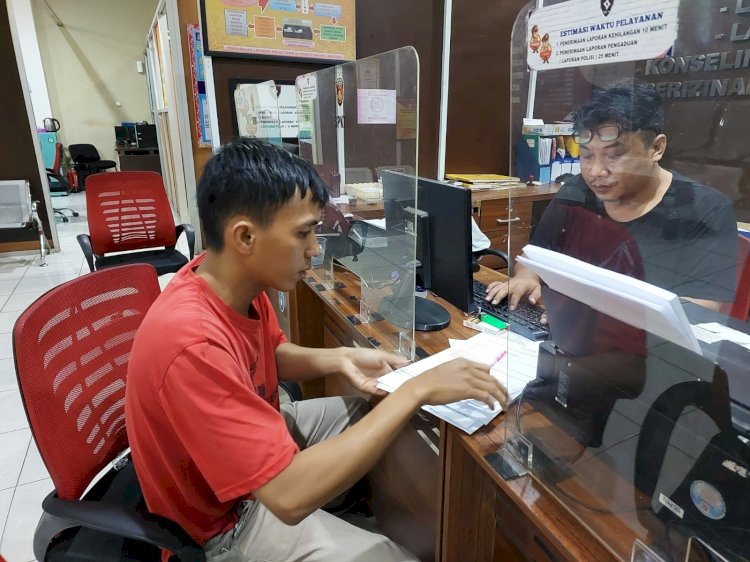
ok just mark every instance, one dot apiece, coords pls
pixel 376 107
pixel 585 32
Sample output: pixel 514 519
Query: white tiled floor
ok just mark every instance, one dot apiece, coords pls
pixel 24 481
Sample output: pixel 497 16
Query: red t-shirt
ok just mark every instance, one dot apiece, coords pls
pixel 202 405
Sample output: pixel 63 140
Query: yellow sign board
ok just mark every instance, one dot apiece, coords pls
pixel 281 29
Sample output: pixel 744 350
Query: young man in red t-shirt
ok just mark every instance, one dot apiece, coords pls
pixel 212 449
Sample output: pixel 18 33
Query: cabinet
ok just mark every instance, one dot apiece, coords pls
pixel 133 159
pixel 509 221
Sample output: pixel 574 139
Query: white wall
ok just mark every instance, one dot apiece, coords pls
pixel 32 60
pixel 90 66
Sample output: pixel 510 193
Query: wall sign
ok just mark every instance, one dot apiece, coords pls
pixel 281 29
pixel 585 32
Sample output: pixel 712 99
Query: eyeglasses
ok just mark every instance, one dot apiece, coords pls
pixel 606 133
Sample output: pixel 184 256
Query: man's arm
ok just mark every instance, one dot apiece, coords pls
pixel 323 471
pixel 713 305
pixel 360 366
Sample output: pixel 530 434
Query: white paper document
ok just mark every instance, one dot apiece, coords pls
pixel 516 367
pixel 630 300
pixel 712 332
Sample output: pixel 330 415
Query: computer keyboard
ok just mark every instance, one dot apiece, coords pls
pixel 524 320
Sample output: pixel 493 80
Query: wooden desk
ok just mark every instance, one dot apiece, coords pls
pixel 434 491
pixel 499 213
pixel 133 158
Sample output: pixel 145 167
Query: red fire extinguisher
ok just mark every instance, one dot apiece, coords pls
pixel 73 180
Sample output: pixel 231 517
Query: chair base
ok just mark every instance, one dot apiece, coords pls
pixel 165 261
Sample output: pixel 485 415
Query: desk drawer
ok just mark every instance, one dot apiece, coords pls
pixel 513 527
pixel 502 215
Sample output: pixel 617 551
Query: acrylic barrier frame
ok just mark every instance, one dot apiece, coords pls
pixel 354 119
pixel 642 438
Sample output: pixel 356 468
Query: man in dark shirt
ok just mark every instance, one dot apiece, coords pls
pixel 626 213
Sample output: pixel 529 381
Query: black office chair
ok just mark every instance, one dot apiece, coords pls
pixel 342 244
pixel 491 252
pixel 87 162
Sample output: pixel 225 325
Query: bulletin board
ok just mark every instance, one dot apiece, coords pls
pixel 300 30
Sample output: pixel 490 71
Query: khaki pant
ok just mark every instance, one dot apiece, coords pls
pixel 260 536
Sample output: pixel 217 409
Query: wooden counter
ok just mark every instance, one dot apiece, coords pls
pixel 434 491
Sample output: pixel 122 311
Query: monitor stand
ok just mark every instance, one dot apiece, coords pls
pixel 429 316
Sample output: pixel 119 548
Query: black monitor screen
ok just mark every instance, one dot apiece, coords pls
pixel 124 135
pixel 146 135
pixel 449 209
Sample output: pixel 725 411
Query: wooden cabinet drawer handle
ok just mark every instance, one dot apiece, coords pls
pixel 508 221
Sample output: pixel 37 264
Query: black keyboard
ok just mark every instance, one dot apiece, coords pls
pixel 524 320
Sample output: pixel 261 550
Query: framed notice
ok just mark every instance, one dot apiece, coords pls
pixel 300 30
pixel 257 111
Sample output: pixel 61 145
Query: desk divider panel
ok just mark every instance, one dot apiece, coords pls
pixel 638 418
pixel 357 119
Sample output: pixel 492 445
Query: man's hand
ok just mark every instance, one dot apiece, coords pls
pixel 456 380
pixel 362 367
pixel 524 283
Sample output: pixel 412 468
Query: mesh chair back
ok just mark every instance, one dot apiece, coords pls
pixel 128 211
pixel 71 350
pixel 83 153
pixel 58 158
pixel 15 203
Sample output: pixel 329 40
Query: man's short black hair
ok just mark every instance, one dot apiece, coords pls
pixel 248 176
pixel 632 105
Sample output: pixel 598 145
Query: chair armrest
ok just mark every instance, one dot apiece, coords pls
pixel 84 241
pixel 493 252
pixel 190 233
pixel 292 389
pixel 126 522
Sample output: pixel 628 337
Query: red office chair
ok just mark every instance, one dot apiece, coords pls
pixel 71 351
pixel 129 211
pixel 740 308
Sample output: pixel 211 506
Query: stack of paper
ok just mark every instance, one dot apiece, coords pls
pixel 516 367
pixel 630 300
pixel 485 181
pixel 545 151
pixel 712 332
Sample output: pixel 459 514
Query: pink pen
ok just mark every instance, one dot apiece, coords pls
pixel 498 359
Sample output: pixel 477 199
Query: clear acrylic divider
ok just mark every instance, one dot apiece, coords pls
pixel 257 110
pixel 356 120
pixel 638 418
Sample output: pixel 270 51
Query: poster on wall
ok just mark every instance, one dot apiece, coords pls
pixel 585 32
pixel 376 107
pixel 265 110
pixel 200 101
pixel 300 30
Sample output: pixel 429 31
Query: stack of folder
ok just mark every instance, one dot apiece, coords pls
pixel 485 181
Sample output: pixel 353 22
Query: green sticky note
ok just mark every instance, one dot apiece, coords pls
pixel 492 321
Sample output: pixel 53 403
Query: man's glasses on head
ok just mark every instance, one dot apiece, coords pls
pixel 606 133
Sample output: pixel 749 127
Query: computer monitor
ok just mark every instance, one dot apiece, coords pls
pixel 124 136
pixel 145 135
pixel 449 256
pixel 401 214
